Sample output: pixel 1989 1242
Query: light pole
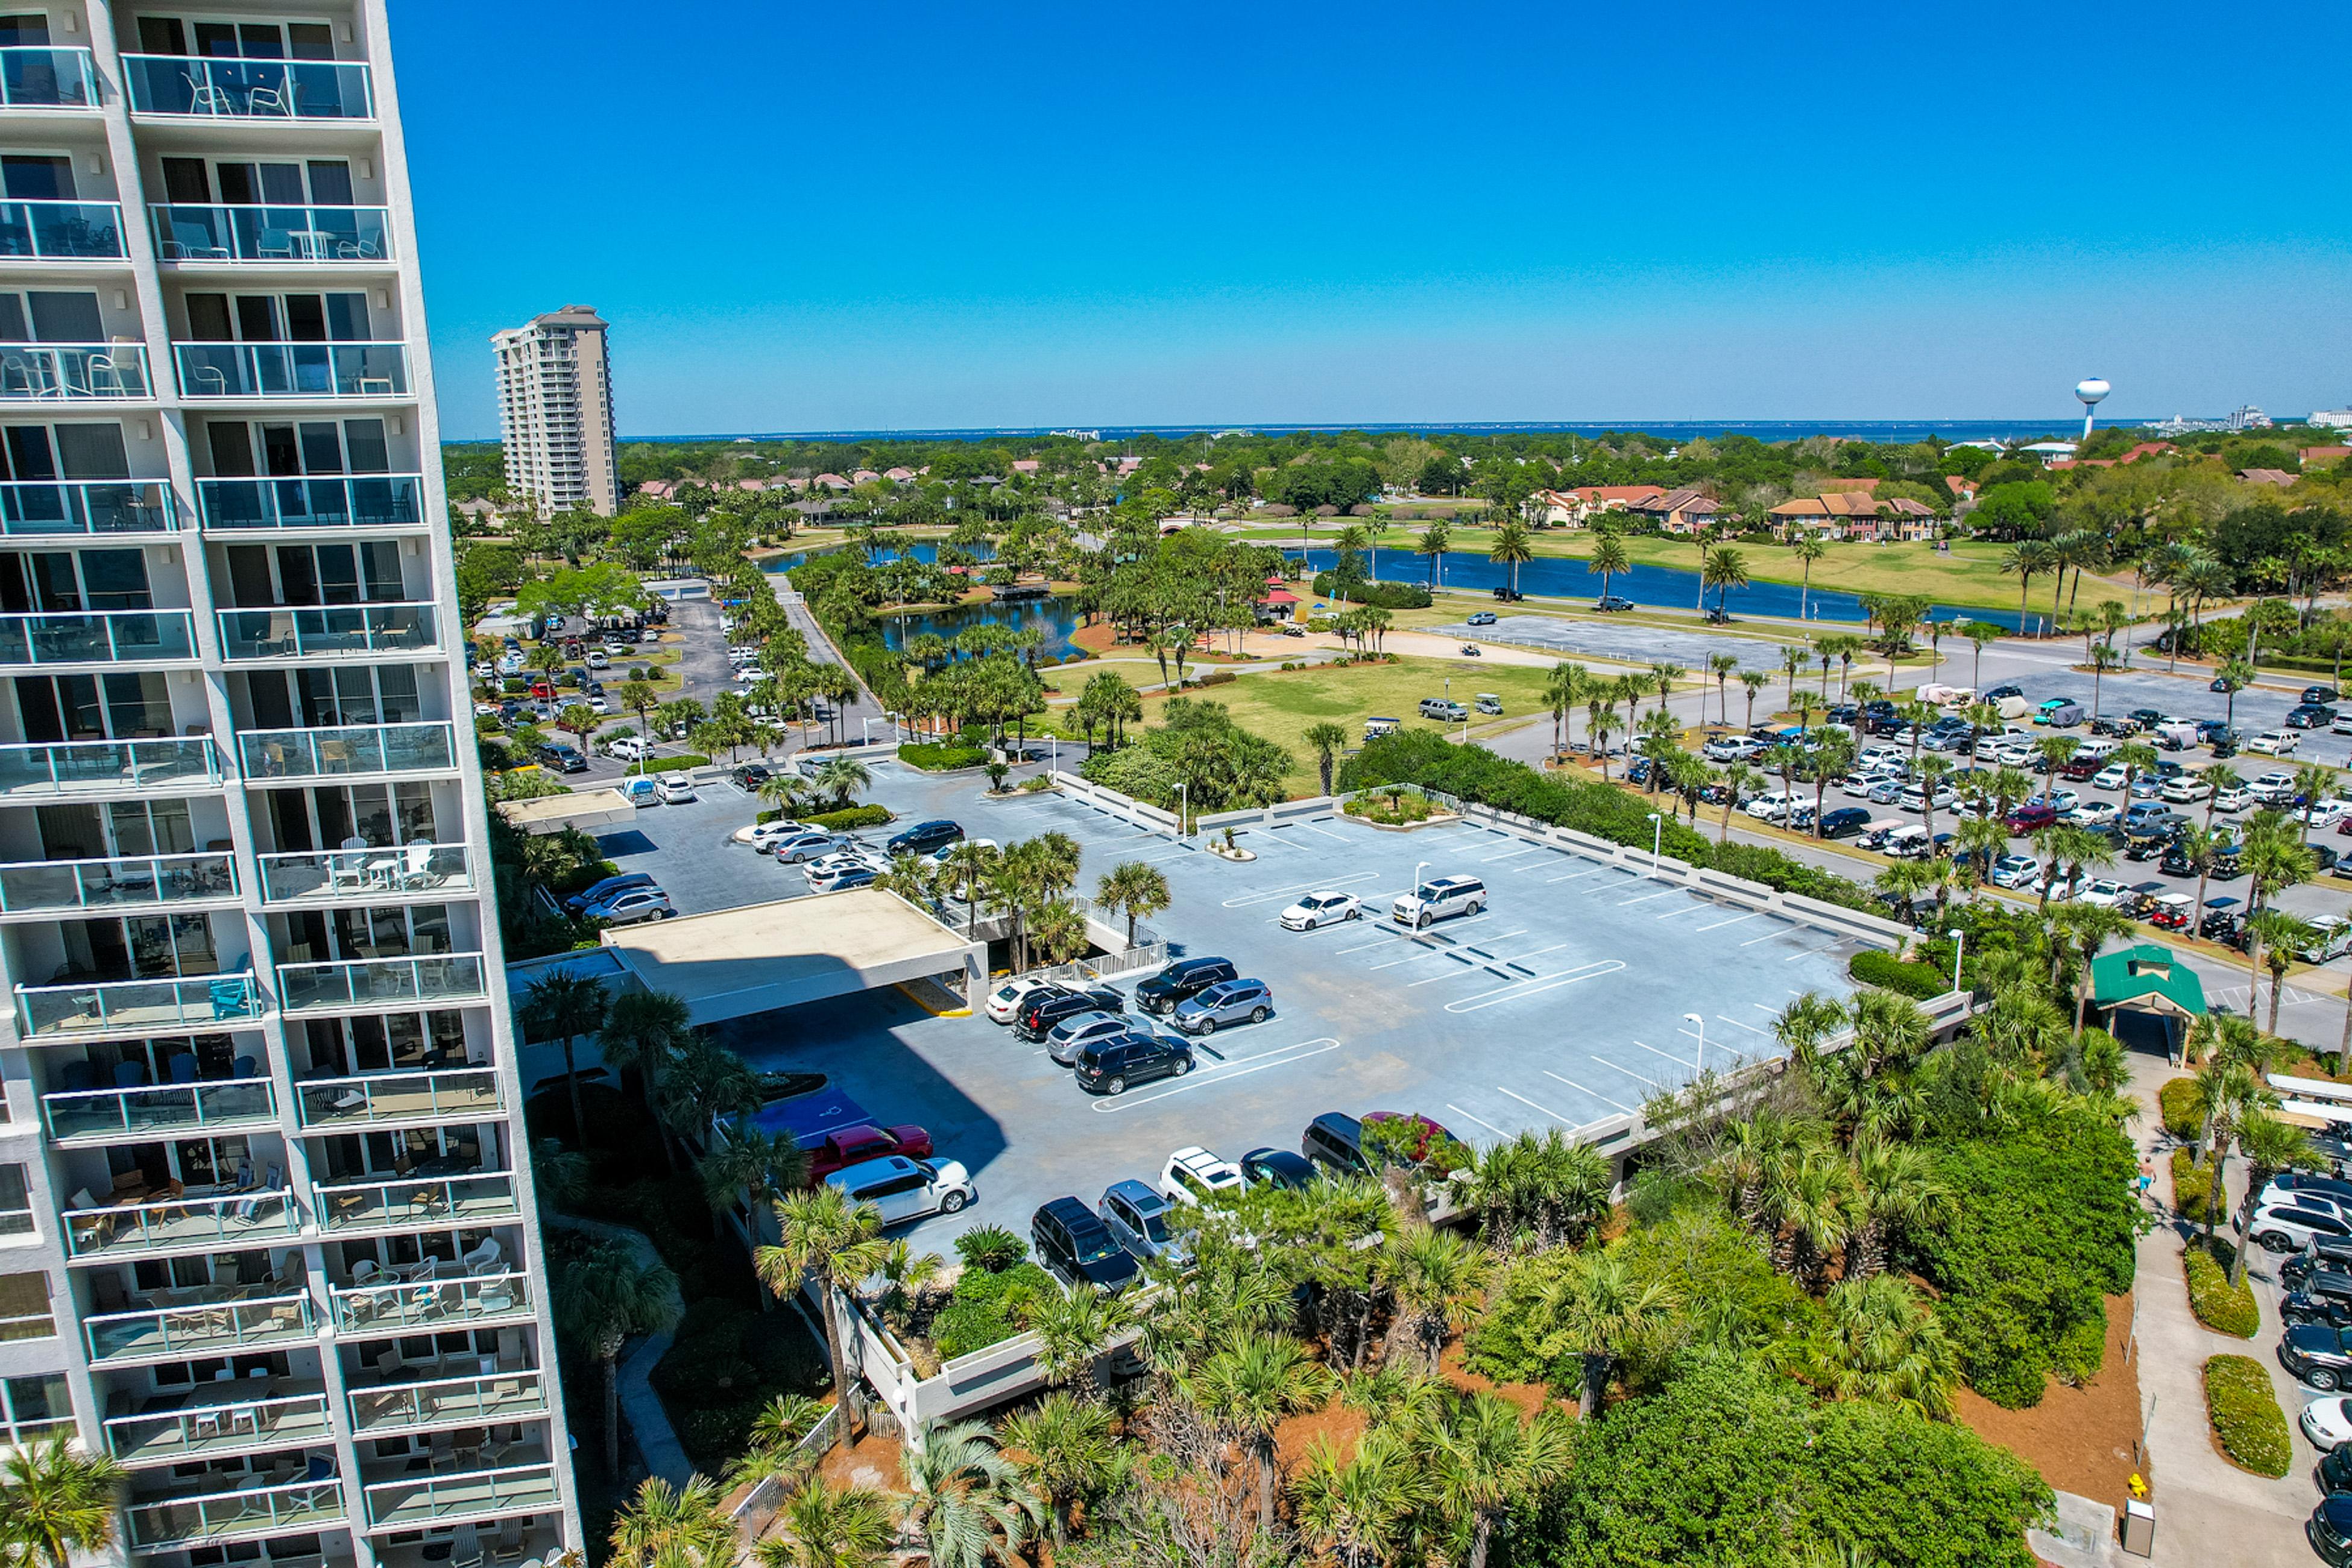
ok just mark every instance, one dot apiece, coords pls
pixel 1657 841
pixel 1693 1017
pixel 1183 804
pixel 1959 947
pixel 1418 867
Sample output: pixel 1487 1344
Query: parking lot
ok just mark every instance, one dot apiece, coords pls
pixel 1561 1003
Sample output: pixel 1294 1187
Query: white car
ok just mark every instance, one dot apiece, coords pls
pixel 2016 871
pixel 511 665
pixel 2236 797
pixel 1916 798
pixel 2111 777
pixel 843 877
pixel 2327 813
pixel 2101 893
pixel 674 788
pixel 1771 805
pixel 762 836
pixel 1321 909
pixel 2291 1226
pixel 2327 1422
pixel 946 853
pixel 1732 748
pixel 2059 801
pixel 1004 1002
pixel 2095 814
pixel 1194 1176
pixel 629 747
pixel 2187 789
pixel 860 858
pixel 906 1189
pixel 2275 788
pixel 2015 753
pixel 2275 743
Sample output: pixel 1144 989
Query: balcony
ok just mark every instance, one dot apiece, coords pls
pixel 158 1109
pixel 74 372
pixel 88 768
pixel 178 1222
pixel 99 1008
pixel 37 77
pixel 139 882
pixel 458 1095
pixel 412 1502
pixel 304 373
pixel 273 236
pixel 439 1202
pixel 222 1326
pixel 349 752
pixel 98 637
pixel 437 1306
pixel 340 984
pixel 452 1402
pixel 204 1431
pixel 61 231
pixel 257 1509
pixel 368 501
pixel 305 876
pixel 242 89
pixel 50 510
pixel 331 631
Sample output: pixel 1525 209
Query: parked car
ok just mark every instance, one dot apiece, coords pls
pixel 2322 1297
pixel 2335 1188
pixel 1315 909
pixel 2233 798
pixel 1138 1216
pixel 924 837
pixel 2030 817
pixel 843 878
pixel 2101 893
pixel 1044 1008
pixel 597 893
pixel 2317 1354
pixel 1194 1177
pixel 2114 776
pixel 2329 1424
pixel 2327 1253
pixel 630 906
pixel 674 788
pixel 1073 1244
pixel 847 1146
pixel 1276 1167
pixel 1487 703
pixel 630 748
pixel 1078 1030
pixel 2274 743
pixel 1439 898
pixel 2283 1227
pixel 2310 716
pixel 2320 694
pixel 1336 1140
pixel 1114 1066
pixel 1003 1003
pixel 1180 980
pixel 1481 618
pixel 2095 814
pixel 1844 822
pixel 2187 789
pixel 2016 871
pixel 1230 1002
pixel 558 758
pixel 805 844
pixel 1731 748
pixel 749 776
pixel 1609 602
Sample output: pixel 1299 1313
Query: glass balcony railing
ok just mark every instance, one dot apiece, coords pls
pixel 249 89
pixel 373 982
pixel 159 1109
pixel 434 1200
pixel 305 876
pixel 270 235
pixel 98 637
pixel 310 632
pixel 453 1095
pixel 61 231
pixel 33 76
pixel 140 882
pixel 364 501
pixel 348 751
pixel 430 1304
pixel 94 767
pixel 479 1401
pixel 99 507
pixel 195 1432
pixel 166 1223
pixel 416 1500
pixel 73 370
pixel 201 1329
pixel 157 1006
pixel 302 370
pixel 251 1510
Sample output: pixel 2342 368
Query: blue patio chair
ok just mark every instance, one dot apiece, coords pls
pixel 183 1068
pixel 130 1075
pixel 230 996
pixel 246 1068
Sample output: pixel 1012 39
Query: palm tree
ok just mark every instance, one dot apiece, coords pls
pixel 972 863
pixel 1137 889
pixel 821 1232
pixel 1755 681
pixel 1539 1190
pixel 1564 687
pixel 1072 1328
pixel 842 778
pixel 1808 549
pixel 1070 1454
pixel 1489 1462
pixel 1608 557
pixel 1664 677
pixel 1510 548
pixel 2273 937
pixel 55 1502
pixel 1432 543
pixel 1600 724
pixel 1895 1189
pixel 2230 1093
pixel 1327 740
pixel 1738 779
pixel 1880 1342
pixel 706 1083
pixel 643 1030
pixel 602 1297
pixel 1722 568
pixel 1599 1310
pixel 1353 1511
pixel 752 1167
pixel 773 1451
pixel 668 1526
pixel 1722 666
pixel 1251 1386
pixel 1438 1278
pixel 826 1526
pixel 563 1008
pixel 966 1500
pixel 2269 1146
pixel 1794 660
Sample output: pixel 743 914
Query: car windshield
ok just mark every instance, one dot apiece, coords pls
pixel 1094 1246
pixel 1155 1227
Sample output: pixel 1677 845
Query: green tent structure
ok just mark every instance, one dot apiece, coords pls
pixel 2151 981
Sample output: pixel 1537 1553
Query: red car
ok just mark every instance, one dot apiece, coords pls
pixel 2081 767
pixel 2031 816
pixel 853 1145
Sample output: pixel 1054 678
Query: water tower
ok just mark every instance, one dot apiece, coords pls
pixel 2090 392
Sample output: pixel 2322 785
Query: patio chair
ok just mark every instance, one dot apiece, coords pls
pixel 206 99
pixel 485 1253
pixel 507 1547
pixel 130 1075
pixel 416 866
pixel 182 1067
pixel 466 1552
pixel 231 995
pixel 105 378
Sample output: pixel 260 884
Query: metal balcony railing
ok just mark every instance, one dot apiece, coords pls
pixel 166 1223
pixel 416 1500
pixel 373 982
pixel 349 751
pixel 67 371
pixel 61 231
pixel 308 877
pixel 502 1396
pixel 252 1510
pixel 199 1329
pixel 434 1200
pixel 312 632
pixel 452 1095
pixel 35 75
pixel 216 87
pixel 270 236
pixel 120 1006
pixel 141 882
pixel 159 1109
pixel 196 1431
pixel 302 371
pixel 52 507
pixel 98 637
pixel 95 766
pixel 429 1303
pixel 375 500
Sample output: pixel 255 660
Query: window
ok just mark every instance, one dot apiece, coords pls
pixel 15 1202
pixel 51 316
pixel 25 1306
pixel 33 1408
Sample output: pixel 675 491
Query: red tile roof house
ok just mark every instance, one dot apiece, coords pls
pixel 864 476
pixel 2314 455
pixel 1962 487
pixel 2278 476
pixel 659 489
pixel 1024 465
pixel 899 476
pixel 1833 512
pixel 831 481
pixel 1573 509
pixel 1683 511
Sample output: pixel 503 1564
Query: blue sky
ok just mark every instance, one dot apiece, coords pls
pixel 872 217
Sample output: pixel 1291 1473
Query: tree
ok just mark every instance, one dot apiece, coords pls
pixel 55 1502
pixel 602 1297
pixel 1071 1455
pixel 822 1233
pixel 749 1164
pixel 1432 543
pixel 1137 889
pixel 1251 1386
pixel 563 1008
pixel 2273 938
pixel 642 1031
pixel 668 1526
pixel 1880 1342
pixel 1608 557
pixel 1722 666
pixel 1353 1510
pixel 1437 1277
pixel 1723 568
pixel 1510 549
pixel 2269 1146
pixel 842 776
pixel 1327 740
pixel 1755 681
pixel 705 1082
pixel 1808 549
pixel 1895 1190
pixel 1490 1463
pixel 966 1500
pixel 825 1526
pixel 1597 1310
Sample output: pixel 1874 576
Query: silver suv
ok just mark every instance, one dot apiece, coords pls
pixel 1231 1001
pixel 1439 898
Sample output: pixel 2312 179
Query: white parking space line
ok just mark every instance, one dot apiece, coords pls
pixel 1209 1076
pixel 1470 956
pixel 1326 832
pixel 1266 895
pixel 1663 892
pixel 1544 1108
pixel 1750 1028
pixel 1575 875
pixel 1533 985
pixel 1480 1119
pixel 1667 1055
pixel 1620 1066
pixel 1783 929
pixel 1733 921
pixel 1513 855
pixel 1580 1089
pixel 1815 952
pixel 1695 907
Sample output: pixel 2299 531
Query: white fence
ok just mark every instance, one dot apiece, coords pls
pixel 1150 818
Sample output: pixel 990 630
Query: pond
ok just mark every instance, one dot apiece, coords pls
pixel 1055 617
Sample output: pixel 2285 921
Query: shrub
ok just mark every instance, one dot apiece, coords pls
pixel 2192 1189
pixel 2219 1305
pixel 671 764
pixel 934 758
pixel 2244 1410
pixel 1393 808
pixel 1218 678
pixel 1035 785
pixel 991 1247
pixel 1885 970
pixel 1379 595
pixel 986 1308
pixel 2178 1101
pixel 868 816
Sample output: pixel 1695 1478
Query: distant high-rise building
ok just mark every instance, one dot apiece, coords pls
pixel 555 410
pixel 270 1238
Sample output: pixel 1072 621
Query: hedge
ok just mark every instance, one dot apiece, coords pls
pixel 985 1308
pixel 932 757
pixel 1378 595
pixel 2244 1410
pixel 2219 1305
pixel 1885 970
pixel 867 816
pixel 2192 1187
pixel 670 764
pixel 2178 1101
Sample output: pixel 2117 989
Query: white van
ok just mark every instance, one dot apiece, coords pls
pixel 2096 749
pixel 1437 899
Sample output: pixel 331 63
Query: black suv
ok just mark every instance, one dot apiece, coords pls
pixel 1074 1244
pixel 750 775
pixel 1044 1008
pixel 2326 1253
pixel 561 759
pixel 2323 1298
pixel 2321 695
pixel 1180 981
pixel 2317 1354
pixel 925 837
pixel 1336 1140
pixel 1111 1066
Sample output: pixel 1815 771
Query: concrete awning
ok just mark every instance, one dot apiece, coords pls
pixel 591 811
pixel 751 960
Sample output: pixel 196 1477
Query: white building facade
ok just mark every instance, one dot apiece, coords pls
pixel 555 412
pixel 266 1208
